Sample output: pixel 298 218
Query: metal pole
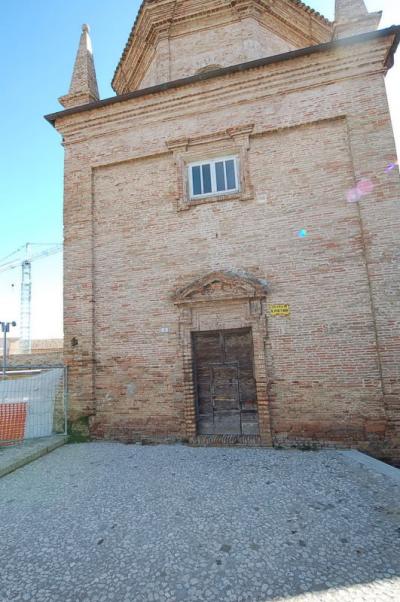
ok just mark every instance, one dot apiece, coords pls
pixel 65 400
pixel 5 328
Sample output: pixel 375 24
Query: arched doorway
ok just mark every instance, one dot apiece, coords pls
pixel 222 326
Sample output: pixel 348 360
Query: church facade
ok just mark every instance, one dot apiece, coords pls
pixel 231 229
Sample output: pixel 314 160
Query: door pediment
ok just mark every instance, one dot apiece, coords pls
pixel 222 285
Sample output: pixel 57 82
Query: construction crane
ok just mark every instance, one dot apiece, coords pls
pixel 23 258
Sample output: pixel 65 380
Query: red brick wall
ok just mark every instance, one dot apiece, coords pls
pixel 321 123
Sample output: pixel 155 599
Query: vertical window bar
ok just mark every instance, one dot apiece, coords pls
pixel 207 183
pixel 230 167
pixel 220 176
pixel 213 177
pixel 196 183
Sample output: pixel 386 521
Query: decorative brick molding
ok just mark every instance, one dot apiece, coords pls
pixel 232 141
pixel 220 301
pixel 221 286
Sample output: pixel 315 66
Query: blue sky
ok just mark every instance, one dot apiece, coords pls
pixel 38 43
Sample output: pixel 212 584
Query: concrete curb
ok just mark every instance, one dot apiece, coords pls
pixel 372 464
pixel 33 455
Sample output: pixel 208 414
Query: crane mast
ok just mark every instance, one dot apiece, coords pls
pixel 25 343
pixel 13 261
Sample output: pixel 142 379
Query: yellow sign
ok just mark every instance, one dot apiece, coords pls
pixel 281 309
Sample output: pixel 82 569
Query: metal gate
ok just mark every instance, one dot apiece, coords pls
pixel 226 397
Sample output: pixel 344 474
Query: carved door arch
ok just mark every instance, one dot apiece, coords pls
pixel 222 301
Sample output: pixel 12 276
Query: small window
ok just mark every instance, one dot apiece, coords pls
pixel 219 176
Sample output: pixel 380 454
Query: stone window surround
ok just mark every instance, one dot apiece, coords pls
pixel 232 141
pixel 221 301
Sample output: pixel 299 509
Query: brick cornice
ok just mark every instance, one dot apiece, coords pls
pixel 270 76
pixel 291 19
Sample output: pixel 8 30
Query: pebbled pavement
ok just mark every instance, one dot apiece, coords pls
pixel 102 522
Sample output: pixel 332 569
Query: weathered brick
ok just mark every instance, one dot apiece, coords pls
pixel 316 125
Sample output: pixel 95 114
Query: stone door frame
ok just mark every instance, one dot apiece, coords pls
pixel 224 301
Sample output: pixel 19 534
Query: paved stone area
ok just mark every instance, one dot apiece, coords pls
pixel 106 522
pixel 15 456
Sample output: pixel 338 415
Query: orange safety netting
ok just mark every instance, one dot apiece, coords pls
pixel 12 422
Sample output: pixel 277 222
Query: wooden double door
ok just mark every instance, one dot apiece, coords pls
pixel 226 394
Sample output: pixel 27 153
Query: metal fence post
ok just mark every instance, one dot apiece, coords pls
pixel 65 400
pixel 5 328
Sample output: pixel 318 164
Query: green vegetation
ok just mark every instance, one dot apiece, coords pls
pixel 78 431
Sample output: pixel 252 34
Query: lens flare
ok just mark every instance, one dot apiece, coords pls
pixel 391 166
pixel 365 186
pixel 353 195
pixel 302 233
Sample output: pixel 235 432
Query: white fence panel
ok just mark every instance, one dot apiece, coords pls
pixel 40 392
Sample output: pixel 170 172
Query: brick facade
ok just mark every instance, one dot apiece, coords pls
pixel 307 127
pixel 175 38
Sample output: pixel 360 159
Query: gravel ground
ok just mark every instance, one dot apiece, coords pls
pixel 104 522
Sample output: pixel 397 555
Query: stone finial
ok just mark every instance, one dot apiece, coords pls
pixel 83 88
pixel 352 18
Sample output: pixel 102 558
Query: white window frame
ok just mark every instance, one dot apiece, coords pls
pixel 214 191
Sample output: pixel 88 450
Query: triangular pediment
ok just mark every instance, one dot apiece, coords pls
pixel 220 286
